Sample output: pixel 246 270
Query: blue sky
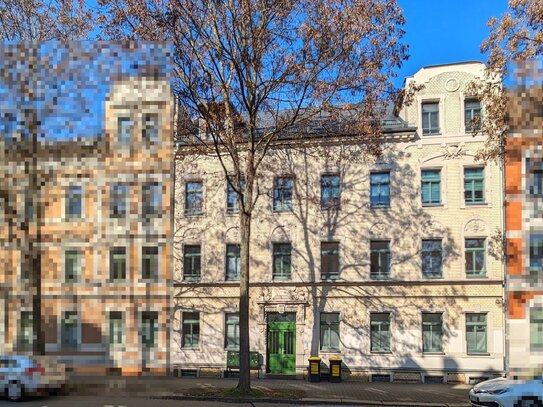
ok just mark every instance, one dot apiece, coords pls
pixel 444 31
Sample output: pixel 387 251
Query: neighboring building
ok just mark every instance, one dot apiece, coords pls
pixel 524 232
pixel 104 235
pixel 391 264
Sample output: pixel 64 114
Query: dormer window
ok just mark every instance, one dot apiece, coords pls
pixel 430 118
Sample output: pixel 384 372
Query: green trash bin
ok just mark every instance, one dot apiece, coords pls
pixel 335 370
pixel 314 369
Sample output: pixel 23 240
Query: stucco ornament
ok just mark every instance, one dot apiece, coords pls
pixel 451 151
pixel 378 229
pixel 452 84
pixel 475 227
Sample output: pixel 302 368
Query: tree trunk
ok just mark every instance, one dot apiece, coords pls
pixel 244 383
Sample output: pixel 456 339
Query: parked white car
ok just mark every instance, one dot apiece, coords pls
pixel 25 375
pixel 502 392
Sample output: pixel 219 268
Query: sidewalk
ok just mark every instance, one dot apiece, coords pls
pixel 371 394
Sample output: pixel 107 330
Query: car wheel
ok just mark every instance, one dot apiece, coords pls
pixel 529 402
pixel 15 391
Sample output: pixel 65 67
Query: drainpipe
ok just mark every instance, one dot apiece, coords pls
pixel 504 263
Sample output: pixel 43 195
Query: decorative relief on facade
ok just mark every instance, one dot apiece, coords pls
pixel 451 151
pixel 475 227
pixel 452 85
pixel 378 229
pixel 431 227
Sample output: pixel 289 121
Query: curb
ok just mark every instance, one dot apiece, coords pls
pixel 313 401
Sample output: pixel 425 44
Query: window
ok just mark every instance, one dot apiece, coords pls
pixel 149 263
pixel 191 330
pixel 282 261
pixel 330 192
pixel 192 261
pixel 432 332
pixel 475 257
pixel 232 262
pixel 150 128
pixel 432 258
pixel 329 260
pixel 116 328
pixel 431 187
pixel 379 259
pixel 536 184
pixel 232 332
pixel 74 202
pixel 152 199
pixel 329 331
pixel 194 198
pixel 72 265
pixel 472 115
pixel 380 332
pixel 430 118
pixel 536 253
pixel 26 267
pixel 26 329
pixel 282 194
pixel 69 328
pixel 124 130
pixel 149 326
pixel 536 329
pixel 232 205
pixel 28 206
pixel 476 333
pixel 474 181
pixel 117 264
pixel 118 201
pixel 379 189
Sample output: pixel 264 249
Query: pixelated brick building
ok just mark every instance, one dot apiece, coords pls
pixel 524 231
pixel 104 234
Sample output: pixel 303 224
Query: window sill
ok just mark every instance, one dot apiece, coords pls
pixel 330 208
pixel 433 353
pixel 281 279
pixel 330 279
pixel 379 352
pixel 380 206
pixel 433 205
pixel 190 348
pixel 431 134
pixel 280 211
pixel 476 276
pixel 194 215
pixel 430 277
pixel 472 204
pixel 481 354
pixel 378 278
pixel 148 281
pixel 191 280
pixel 231 213
pixel 329 351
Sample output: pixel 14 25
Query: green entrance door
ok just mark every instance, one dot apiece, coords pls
pixel 281 349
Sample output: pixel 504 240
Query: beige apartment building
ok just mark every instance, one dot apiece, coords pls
pixel 391 264
pixel 102 223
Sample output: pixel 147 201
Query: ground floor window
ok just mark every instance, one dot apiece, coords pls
pixel 26 329
pixel 232 331
pixel 149 325
pixel 191 330
pixel 476 333
pixel 69 329
pixel 536 329
pixel 432 332
pixel 116 328
pixel 380 332
pixel 329 335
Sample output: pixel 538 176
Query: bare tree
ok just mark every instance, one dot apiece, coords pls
pixel 30 23
pixel 251 72
pixel 517 37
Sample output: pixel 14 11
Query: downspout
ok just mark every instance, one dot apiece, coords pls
pixel 504 262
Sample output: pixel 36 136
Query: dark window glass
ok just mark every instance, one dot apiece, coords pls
pixel 150 128
pixel 282 194
pixel 536 329
pixel 472 115
pixel 536 184
pixel 431 187
pixel 116 328
pixel 536 253
pixel 432 258
pixel 430 118
pixel 74 201
pixel 475 257
pixel 118 203
pixel 379 259
pixel 232 262
pixel 72 265
pixel 194 198
pixel 329 328
pixel 380 332
pixel 330 191
pixel 192 260
pixel 149 327
pixel 191 330
pixel 282 258
pixel 26 329
pixel 379 189
pixel 117 264
pixel 69 328
pixel 474 182
pixel 329 260
pixel 152 199
pixel 124 130
pixel 432 332
pixel 232 204
pixel 149 263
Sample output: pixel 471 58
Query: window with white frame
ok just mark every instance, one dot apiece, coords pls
pixel 430 118
pixel 231 339
pixel 191 330
pixel 380 331
pixel 329 331
pixel 432 332
pixel 476 333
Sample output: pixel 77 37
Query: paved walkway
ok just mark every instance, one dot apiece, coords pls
pixel 390 394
